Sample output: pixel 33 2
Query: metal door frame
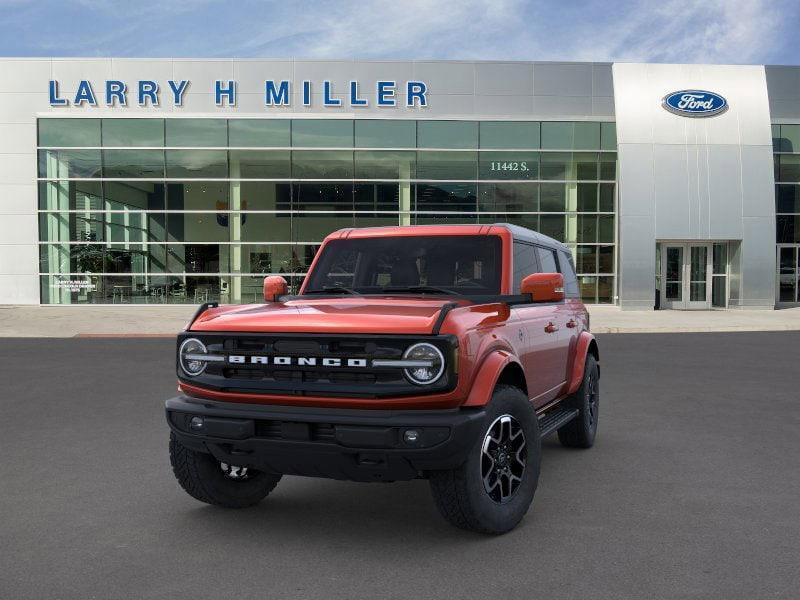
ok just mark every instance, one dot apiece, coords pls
pixel 685 303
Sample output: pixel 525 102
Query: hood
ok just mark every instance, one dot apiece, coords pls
pixel 329 315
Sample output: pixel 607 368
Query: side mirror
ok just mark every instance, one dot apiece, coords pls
pixel 275 286
pixel 543 287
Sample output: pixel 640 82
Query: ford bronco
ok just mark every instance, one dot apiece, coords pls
pixel 443 352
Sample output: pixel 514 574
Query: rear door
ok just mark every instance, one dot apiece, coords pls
pixel 558 315
pixel 575 311
pixel 540 345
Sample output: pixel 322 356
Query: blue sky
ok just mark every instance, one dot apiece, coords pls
pixel 713 31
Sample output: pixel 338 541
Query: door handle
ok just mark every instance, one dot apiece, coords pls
pixel 572 323
pixel 551 328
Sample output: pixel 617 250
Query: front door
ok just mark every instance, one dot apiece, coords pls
pixel 686 275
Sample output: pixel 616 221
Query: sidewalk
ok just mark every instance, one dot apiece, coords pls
pixel 143 320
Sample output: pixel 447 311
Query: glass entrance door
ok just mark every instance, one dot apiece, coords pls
pixel 686 275
pixel 788 280
pixel 673 276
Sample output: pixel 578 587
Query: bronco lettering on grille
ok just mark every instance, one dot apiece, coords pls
pixel 300 361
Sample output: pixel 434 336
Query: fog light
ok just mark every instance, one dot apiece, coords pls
pixel 411 436
pixel 196 424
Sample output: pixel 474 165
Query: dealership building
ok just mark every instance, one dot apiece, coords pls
pixel 160 181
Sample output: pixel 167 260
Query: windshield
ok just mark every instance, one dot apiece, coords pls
pixel 463 264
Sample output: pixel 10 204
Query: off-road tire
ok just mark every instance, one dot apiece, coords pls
pixel 582 430
pixel 460 494
pixel 202 478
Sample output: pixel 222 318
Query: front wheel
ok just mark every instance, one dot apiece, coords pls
pixel 493 489
pixel 210 481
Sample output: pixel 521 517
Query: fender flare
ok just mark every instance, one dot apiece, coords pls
pixel 485 379
pixel 586 342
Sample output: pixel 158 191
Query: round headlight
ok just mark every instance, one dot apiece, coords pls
pixel 188 353
pixel 425 353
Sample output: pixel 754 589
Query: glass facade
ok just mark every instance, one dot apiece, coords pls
pixel 786 148
pixel 192 210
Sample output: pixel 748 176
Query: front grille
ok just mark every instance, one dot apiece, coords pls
pixel 300 378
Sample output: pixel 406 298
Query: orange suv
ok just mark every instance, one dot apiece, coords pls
pixel 443 352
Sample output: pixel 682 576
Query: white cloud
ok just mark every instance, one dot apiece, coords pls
pixel 715 31
pixel 410 28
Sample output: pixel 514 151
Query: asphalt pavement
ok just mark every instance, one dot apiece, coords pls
pixel 691 491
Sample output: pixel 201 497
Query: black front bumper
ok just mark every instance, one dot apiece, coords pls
pixel 358 445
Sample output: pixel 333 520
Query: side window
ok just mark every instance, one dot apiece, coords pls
pixel 570 279
pixel 524 263
pixel 547 259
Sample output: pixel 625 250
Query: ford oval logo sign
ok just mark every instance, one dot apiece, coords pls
pixel 695 103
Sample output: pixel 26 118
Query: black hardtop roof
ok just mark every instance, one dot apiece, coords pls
pixel 521 234
pixel 524 234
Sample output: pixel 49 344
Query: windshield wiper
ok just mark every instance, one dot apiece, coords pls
pixel 334 289
pixel 421 289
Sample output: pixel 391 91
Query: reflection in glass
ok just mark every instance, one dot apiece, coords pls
pixel 447 134
pixel 606 197
pixel 605 290
pixel 65 133
pixel 198 133
pixel 557 165
pixel 553 197
pixel 509 197
pixel 588 287
pixel 554 226
pixel 606 259
pixel 260 164
pixel 585 166
pixel 197 164
pixel 789 169
pixel 380 197
pixel 132 164
pixel 608 166
pixel 266 227
pixel 63 164
pixel 322 133
pixel 329 197
pixel 587 229
pixel 133 132
pixel 587 197
pixel 134 195
pixel 787 229
pixel 263 195
pixel 461 197
pixel 587 259
pixel 257 218
pixel 384 133
pixel 259 133
pixel 447 165
pixel 787 198
pixel 558 135
pixel 608 136
pixel 70 195
pixel 509 134
pixel 385 164
pixel 322 164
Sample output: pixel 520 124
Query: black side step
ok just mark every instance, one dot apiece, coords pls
pixel 555 419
